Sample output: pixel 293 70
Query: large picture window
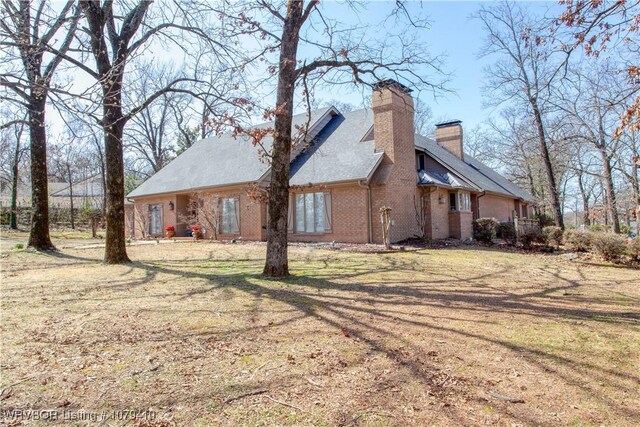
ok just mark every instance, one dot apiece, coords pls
pixel 230 215
pixel 312 212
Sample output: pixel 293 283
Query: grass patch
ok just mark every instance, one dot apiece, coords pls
pixel 415 338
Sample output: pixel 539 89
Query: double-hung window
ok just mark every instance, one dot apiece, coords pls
pixel 230 215
pixel 312 212
pixel 460 201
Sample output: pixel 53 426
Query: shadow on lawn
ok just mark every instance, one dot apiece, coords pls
pixel 369 309
pixel 301 293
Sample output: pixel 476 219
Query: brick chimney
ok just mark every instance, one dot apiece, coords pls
pixel 394 133
pixel 449 135
pixel 393 123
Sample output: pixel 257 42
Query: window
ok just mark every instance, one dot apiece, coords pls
pixel 421 162
pixel 464 202
pixel 230 215
pixel 155 220
pixel 312 212
pixel 460 201
pixel 453 202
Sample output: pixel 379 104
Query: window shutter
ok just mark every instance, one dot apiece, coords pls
pixel 290 215
pixel 327 211
pixel 236 205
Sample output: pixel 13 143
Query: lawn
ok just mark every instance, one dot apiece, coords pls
pixel 191 333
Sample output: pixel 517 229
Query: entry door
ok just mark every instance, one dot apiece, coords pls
pixel 155 220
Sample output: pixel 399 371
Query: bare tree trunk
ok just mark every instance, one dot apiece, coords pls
pixel 585 201
pixel 277 264
pixel 13 214
pixel 39 237
pixel 71 214
pixel 551 179
pixel 636 195
pixel 610 191
pixel 116 249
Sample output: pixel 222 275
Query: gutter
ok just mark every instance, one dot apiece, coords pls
pixel 369 222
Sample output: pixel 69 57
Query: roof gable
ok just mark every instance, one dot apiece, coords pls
pixel 472 170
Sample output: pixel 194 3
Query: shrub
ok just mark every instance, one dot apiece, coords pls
pixel 530 237
pixel 633 248
pixel 507 232
pixel 609 246
pixel 596 228
pixel 625 229
pixel 485 229
pixel 544 219
pixel 19 246
pixel 578 240
pixel 552 235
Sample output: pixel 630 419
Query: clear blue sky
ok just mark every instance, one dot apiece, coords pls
pixel 460 38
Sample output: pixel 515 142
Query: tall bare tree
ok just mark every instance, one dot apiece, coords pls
pixel 12 150
pixel 523 72
pixel 333 53
pixel 34 36
pixel 592 96
pixel 117 34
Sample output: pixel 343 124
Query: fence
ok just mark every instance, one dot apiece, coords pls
pixel 526 225
pixel 59 218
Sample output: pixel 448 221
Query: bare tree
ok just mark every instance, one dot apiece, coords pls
pixel 117 34
pixel 338 54
pixel 34 36
pixel 599 25
pixel 12 150
pixel 592 96
pixel 523 73
pixel 152 133
pixel 141 218
pixel 69 161
pixel 204 210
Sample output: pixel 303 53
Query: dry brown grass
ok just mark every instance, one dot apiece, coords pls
pixel 188 327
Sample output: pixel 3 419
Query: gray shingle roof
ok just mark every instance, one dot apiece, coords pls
pixel 214 162
pixel 477 173
pixel 337 154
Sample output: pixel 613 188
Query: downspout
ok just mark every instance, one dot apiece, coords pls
pixel 370 221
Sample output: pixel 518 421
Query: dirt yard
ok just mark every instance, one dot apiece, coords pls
pixel 190 334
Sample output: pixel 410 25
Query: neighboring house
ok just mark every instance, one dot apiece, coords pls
pixel 87 192
pixel 24 192
pixel 348 167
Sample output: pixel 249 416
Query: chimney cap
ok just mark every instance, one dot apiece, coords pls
pixel 449 123
pixel 392 84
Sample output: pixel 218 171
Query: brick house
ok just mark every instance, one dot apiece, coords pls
pixel 348 167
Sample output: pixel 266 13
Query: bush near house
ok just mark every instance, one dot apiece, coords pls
pixel 485 229
pixel 507 232
pixel 528 238
pixel 611 247
pixel 633 248
pixel 578 240
pixel 552 235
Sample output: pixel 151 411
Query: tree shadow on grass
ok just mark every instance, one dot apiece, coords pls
pixel 375 307
pixel 375 317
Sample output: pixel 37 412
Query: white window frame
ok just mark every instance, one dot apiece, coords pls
pixel 463 201
pixel 159 208
pixel 226 228
pixel 301 221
